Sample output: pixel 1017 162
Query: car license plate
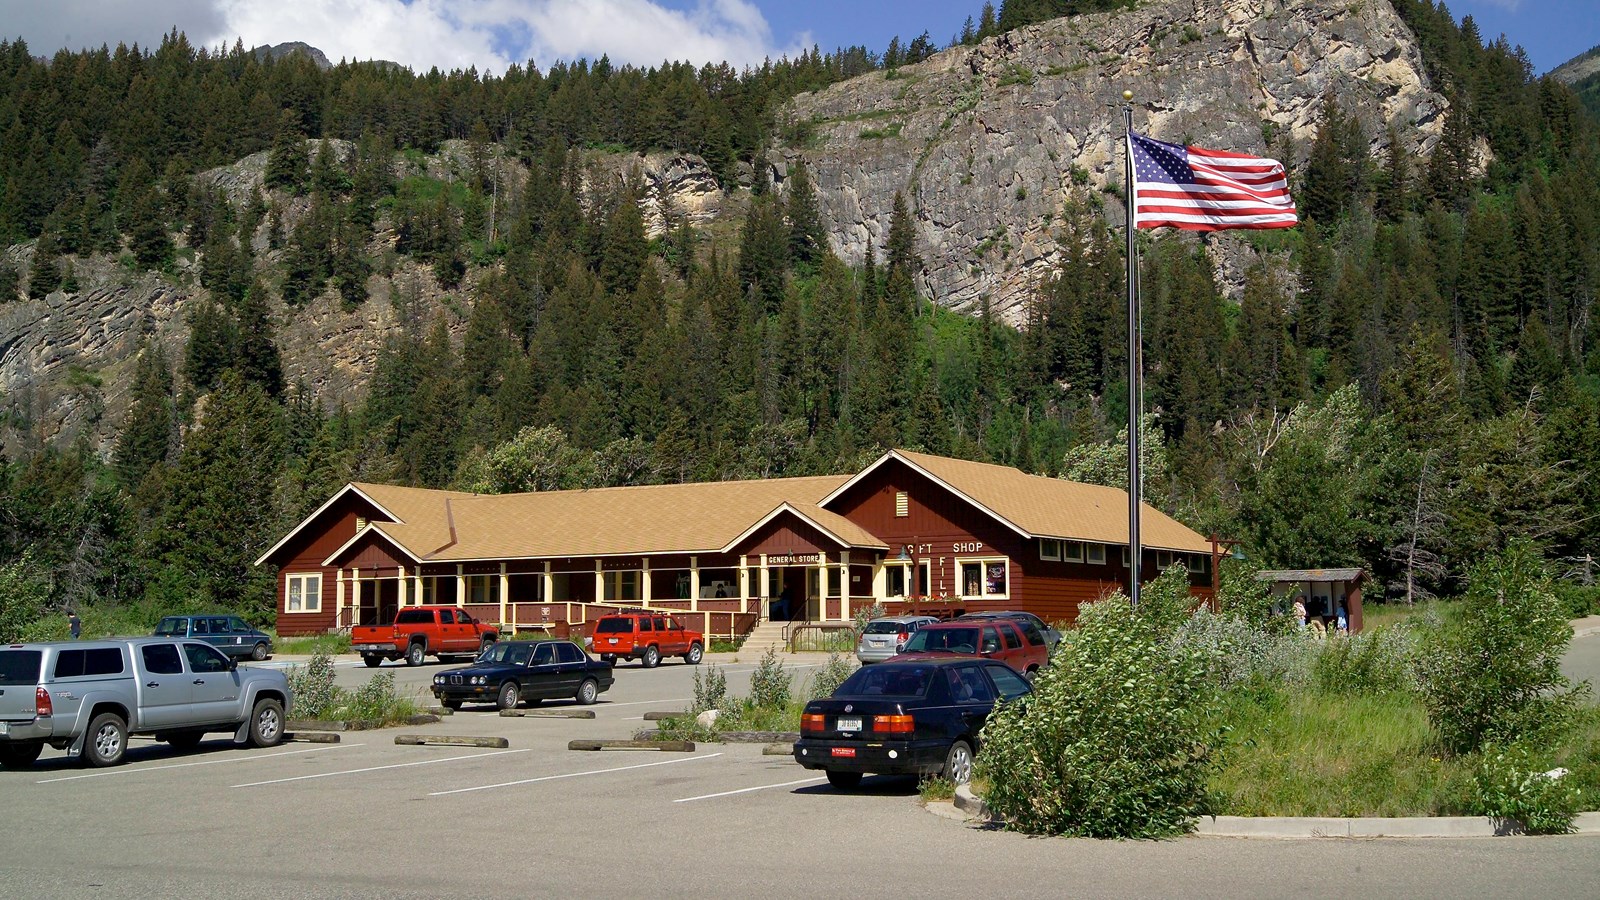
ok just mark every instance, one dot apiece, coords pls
pixel 848 725
pixel 611 640
pixel 844 751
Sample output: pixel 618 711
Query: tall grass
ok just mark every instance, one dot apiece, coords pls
pixel 310 645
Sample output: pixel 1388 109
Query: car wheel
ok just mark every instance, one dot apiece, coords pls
pixel 694 655
pixel 185 740
pixel 107 741
pixel 588 691
pixel 451 704
pixel 21 755
pixel 608 658
pixel 372 661
pixel 958 763
pixel 259 652
pixel 510 696
pixel 844 781
pixel 414 654
pixel 485 644
pixel 266 723
pixel 652 657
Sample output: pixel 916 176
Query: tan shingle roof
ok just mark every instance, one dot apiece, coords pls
pixel 669 518
pixel 1053 507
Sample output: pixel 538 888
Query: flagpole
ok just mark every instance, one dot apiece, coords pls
pixel 1135 363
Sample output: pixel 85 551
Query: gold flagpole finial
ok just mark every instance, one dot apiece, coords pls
pixel 1127 95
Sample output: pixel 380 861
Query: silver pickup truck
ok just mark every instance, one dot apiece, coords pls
pixel 86 697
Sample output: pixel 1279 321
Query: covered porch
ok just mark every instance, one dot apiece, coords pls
pixel 1324 592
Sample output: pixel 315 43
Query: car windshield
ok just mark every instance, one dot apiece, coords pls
pixel 886 626
pixel 949 640
pixel 172 627
pixel 505 652
pixel 887 681
pixel 613 626
pixel 20 666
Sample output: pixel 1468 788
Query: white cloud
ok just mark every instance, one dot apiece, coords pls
pixel 492 34
pixel 50 25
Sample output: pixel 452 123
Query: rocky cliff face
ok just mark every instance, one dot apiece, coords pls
pixel 989 142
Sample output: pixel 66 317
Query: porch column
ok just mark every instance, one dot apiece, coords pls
pixel 421 595
pixel 402 584
pixel 355 595
pixel 505 591
pixel 644 582
pixel 744 582
pixel 763 608
pixel 547 583
pixel 880 580
pixel 694 584
pixel 599 581
pixel 461 584
pixel 338 597
pixel 844 585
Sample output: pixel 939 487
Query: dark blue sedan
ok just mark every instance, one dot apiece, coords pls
pixel 511 672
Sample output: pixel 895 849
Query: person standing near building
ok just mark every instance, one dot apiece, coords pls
pixel 73 624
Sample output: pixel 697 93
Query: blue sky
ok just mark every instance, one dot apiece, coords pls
pixel 490 34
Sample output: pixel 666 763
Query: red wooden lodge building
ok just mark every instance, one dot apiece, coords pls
pixel 910 531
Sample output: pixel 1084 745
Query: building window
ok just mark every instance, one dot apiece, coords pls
pixel 623 586
pixel 1049 548
pixel 1072 551
pixel 483 588
pixel 1094 553
pixel 902 505
pixel 302 593
pixel 895 577
pixel 984 578
pixel 1197 563
pixel 1163 560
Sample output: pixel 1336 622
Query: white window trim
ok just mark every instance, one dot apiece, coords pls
pixel 1072 551
pixel 1196 563
pixel 306 596
pixel 983 580
pixel 1091 550
pixel 905 578
pixel 1047 555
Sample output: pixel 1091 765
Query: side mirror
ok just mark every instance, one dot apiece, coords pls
pixel 233 664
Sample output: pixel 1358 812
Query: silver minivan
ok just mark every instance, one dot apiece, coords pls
pixel 883 638
pixel 87 697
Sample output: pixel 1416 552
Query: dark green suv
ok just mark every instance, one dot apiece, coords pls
pixel 230 634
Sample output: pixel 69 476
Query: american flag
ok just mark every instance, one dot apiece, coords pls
pixel 1206 190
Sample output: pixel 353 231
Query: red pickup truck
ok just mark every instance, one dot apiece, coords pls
pixel 419 631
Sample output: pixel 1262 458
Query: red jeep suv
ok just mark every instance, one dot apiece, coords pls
pixel 646 637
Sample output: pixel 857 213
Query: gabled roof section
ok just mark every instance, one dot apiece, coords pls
pixel 375 531
pixel 1036 506
pixel 844 532
pixel 365 491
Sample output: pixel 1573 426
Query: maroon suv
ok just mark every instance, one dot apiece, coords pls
pixel 998 639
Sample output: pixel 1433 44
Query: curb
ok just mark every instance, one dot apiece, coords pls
pixel 1328 827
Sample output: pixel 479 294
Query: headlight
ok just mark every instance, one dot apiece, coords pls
pixel 438 679
pixel 479 679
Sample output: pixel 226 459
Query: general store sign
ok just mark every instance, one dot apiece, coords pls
pixel 790 559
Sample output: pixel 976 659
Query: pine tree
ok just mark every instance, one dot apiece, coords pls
pixel 44 269
pixel 256 353
pixel 286 166
pixel 806 240
pixel 149 430
pixel 213 345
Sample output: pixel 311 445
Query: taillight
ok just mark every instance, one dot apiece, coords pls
pixel 813 723
pixel 42 705
pixel 894 724
pixel 900 640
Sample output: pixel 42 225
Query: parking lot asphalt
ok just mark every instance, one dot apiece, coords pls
pixel 367 818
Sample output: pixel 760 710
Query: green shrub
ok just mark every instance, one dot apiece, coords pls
pixel 1512 789
pixel 1578 600
pixel 1237 652
pixel 315 695
pixel 1113 741
pixel 770 685
pixel 833 674
pixel 376 701
pixel 710 690
pixel 1378 661
pixel 1495 677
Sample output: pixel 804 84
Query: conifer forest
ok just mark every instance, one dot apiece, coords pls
pixel 1415 384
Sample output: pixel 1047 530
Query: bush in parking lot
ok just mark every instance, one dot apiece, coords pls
pixel 833 674
pixel 1513 789
pixel 376 701
pixel 710 691
pixel 1113 742
pixel 315 696
pixel 770 685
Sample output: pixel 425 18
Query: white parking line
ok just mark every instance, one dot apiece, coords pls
pixel 487 787
pixel 209 762
pixel 747 790
pixel 425 762
pixel 646 702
